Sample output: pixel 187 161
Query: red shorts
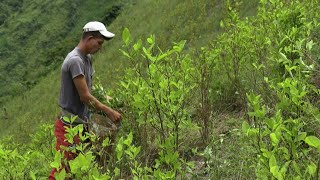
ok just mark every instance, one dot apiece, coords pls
pixel 59 132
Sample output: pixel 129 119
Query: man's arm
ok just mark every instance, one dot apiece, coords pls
pixel 90 100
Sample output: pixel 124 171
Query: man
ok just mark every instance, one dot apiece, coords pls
pixel 76 82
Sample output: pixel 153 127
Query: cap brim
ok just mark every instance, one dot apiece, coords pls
pixel 107 34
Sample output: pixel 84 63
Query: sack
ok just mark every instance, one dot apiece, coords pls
pixel 102 126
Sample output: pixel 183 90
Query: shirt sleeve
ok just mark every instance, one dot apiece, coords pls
pixel 76 66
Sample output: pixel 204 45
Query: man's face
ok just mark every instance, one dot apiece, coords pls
pixel 95 44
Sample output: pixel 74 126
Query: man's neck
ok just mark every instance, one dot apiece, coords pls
pixel 82 48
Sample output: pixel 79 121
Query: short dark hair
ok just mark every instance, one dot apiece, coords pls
pixel 95 34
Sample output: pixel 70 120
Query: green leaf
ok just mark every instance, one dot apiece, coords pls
pixel 153 69
pixel 285 152
pixel 138 102
pixel 163 84
pixel 129 153
pixel 125 53
pixel 245 126
pixel 266 153
pixel 126 36
pixel 312 141
pixel 302 136
pixel 274 169
pixel 136 151
pixel 55 164
pixel 274 139
pixel 270 123
pixel 60 175
pixel 309 45
pixel 33 175
pixel 148 54
pixel 57 160
pixel 221 24
pixel 65 118
pixel 137 45
pixel 252 132
pixel 284 168
pixel 119 149
pixel 106 142
pixel 283 56
pixel 124 84
pixel 128 141
pixel 272 161
pixel 179 46
pixel 296 168
pixel 151 39
pixel 116 172
pixel 74 165
pixel 312 168
pixel 165 55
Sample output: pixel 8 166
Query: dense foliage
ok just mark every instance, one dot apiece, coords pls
pixel 34 38
pixel 243 107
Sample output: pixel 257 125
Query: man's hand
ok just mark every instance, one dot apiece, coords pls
pixel 114 115
pixel 108 98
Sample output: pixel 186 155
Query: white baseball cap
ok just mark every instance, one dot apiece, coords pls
pixel 98 26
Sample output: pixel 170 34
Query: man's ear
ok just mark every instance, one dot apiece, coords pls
pixel 90 37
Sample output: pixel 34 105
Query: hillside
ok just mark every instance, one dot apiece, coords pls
pixel 34 41
pixel 35 36
pixel 207 90
pixel 33 72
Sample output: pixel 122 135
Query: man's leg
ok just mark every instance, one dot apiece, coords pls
pixel 62 144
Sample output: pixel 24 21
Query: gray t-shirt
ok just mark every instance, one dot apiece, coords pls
pixel 75 64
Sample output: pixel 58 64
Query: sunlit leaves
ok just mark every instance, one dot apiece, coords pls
pixel 313 141
pixel 60 175
pixel 163 85
pixel 137 45
pixel 274 139
pixel 157 88
pixel 245 126
pixel 312 168
pixel 57 160
pixel 119 149
pixel 126 36
pixel 284 135
pixel 106 142
pixel 309 45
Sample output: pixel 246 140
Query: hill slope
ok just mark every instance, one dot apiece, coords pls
pixel 188 110
pixel 35 37
pixel 196 21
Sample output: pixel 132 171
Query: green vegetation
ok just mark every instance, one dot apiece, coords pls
pixel 207 91
pixel 36 35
